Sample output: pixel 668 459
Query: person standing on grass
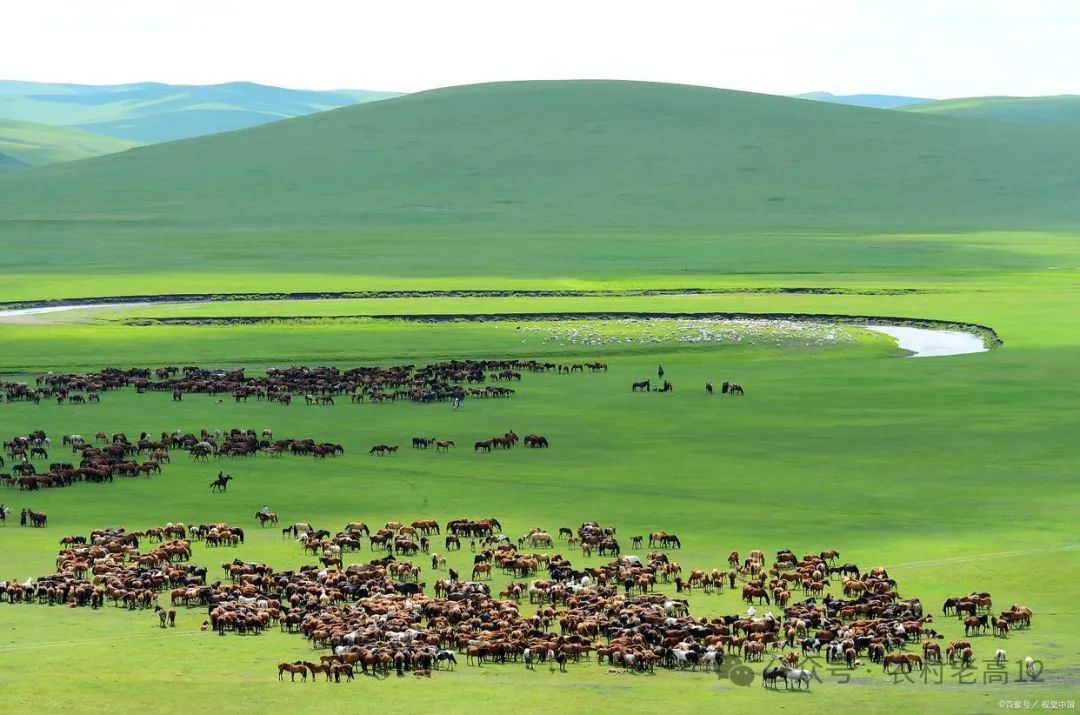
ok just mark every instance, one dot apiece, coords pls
pixel 22 518
pixel 660 372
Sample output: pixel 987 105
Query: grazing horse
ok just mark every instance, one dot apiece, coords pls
pixel 221 483
pixel 265 518
pixel 736 389
pixel 381 449
pixel 535 440
pixel 643 386
pixel 483 445
pixel 444 445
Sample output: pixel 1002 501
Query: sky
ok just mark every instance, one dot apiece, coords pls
pixel 925 48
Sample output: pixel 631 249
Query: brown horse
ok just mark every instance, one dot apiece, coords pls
pixel 900 660
pixel 444 445
pixel 292 669
pixel 269 517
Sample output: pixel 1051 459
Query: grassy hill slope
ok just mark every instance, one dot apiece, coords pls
pixel 582 153
pixel 38 144
pixel 540 179
pixel 153 112
pixel 1060 110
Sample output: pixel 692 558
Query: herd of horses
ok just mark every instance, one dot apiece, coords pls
pixel 503 441
pixel 97 464
pixel 318 385
pixel 726 388
pixel 376 617
pixel 110 455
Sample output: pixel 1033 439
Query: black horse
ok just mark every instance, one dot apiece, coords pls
pixel 644 386
pixel 221 483
pixel 771 675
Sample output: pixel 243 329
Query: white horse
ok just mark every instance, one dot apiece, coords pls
pixel 799 675
pixel 999 657
pixel 1029 667
pixel 676 608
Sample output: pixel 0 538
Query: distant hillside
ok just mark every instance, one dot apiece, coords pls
pixel 38 144
pixel 550 178
pixel 874 101
pixel 1062 109
pixel 583 153
pixel 10 163
pixel 151 112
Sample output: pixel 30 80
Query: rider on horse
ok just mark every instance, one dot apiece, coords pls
pixel 265 510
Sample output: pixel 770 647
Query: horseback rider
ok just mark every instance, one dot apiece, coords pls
pixel 265 510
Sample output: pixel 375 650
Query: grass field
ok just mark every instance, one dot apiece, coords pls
pixel 956 473
pixel 913 464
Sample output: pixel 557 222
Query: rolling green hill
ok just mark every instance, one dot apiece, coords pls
pixel 550 178
pixel 39 144
pixel 1060 110
pixel 153 112
pixel 582 153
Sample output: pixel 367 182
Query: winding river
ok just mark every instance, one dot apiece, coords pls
pixel 923 342
pixel 920 342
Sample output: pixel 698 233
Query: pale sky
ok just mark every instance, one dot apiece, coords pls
pixel 930 48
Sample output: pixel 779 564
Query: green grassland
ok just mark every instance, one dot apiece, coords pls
pixel 537 183
pixel 891 461
pixel 956 473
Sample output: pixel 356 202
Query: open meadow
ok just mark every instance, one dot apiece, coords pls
pixel 957 475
